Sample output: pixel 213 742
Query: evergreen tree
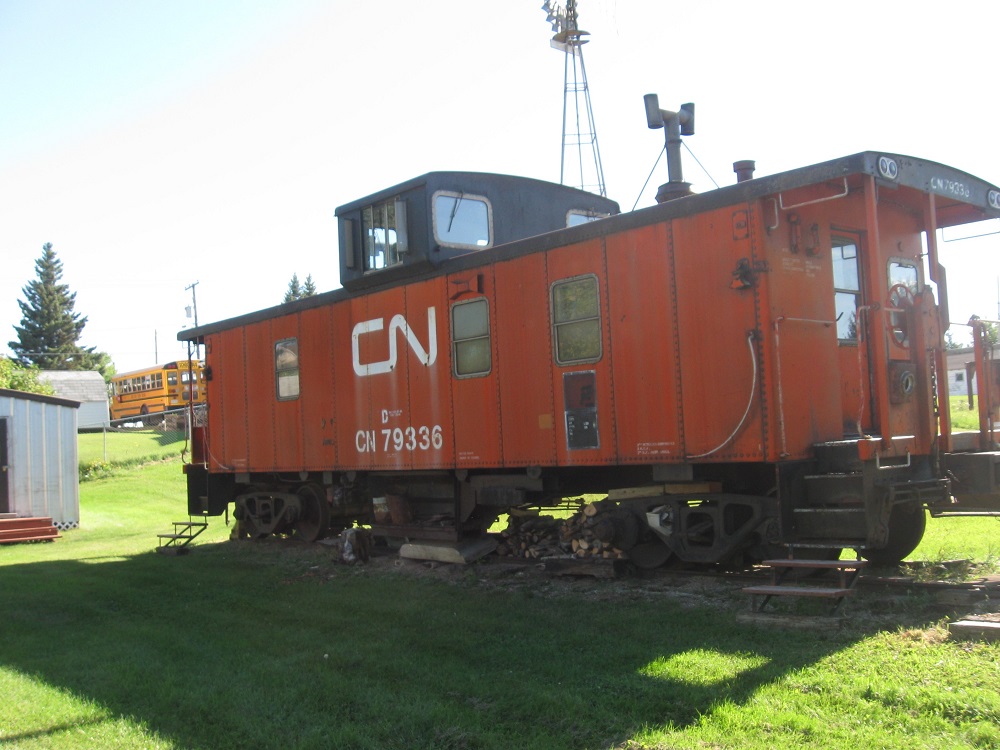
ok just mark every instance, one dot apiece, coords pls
pixel 49 330
pixel 309 289
pixel 294 291
pixel 298 291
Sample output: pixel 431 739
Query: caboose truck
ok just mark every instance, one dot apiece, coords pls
pixel 744 370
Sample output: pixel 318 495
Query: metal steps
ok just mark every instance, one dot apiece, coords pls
pixel 847 574
pixel 176 542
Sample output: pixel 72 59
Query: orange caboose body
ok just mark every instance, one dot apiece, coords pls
pixel 755 366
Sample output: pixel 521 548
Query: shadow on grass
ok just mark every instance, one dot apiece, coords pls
pixel 244 645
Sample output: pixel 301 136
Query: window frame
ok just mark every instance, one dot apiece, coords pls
pixel 455 341
pixel 462 197
pixel 393 253
pixel 840 240
pixel 282 373
pixel 557 324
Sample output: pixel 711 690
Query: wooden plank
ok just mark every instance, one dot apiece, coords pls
pixel 659 490
pixel 825 593
pixel 796 622
pixel 975 629
pixel 49 538
pixel 826 564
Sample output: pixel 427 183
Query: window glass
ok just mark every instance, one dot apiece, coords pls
pixel 461 220
pixel 470 331
pixel 286 369
pixel 903 273
pixel 847 287
pixel 576 320
pixel 903 284
pixel 577 217
pixel 380 237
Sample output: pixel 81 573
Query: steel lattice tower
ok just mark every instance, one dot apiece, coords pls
pixel 580 151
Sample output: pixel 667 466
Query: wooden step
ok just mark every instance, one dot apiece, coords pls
pixel 825 593
pixel 14 529
pixel 26 538
pixel 24 523
pixel 817 564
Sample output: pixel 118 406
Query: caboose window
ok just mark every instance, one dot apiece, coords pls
pixel 847 287
pixel 384 234
pixel 576 217
pixel 286 369
pixel 576 320
pixel 904 282
pixel 470 333
pixel 462 220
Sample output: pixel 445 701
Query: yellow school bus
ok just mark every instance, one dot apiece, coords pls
pixel 157 389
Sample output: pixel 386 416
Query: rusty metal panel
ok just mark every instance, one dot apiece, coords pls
pixel 354 431
pixel 317 388
pixel 524 351
pixel 425 429
pixel 716 285
pixel 227 398
pixel 476 397
pixel 645 365
pixel 585 405
pixel 260 395
pixel 287 411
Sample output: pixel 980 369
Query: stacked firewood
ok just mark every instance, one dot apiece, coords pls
pixel 582 535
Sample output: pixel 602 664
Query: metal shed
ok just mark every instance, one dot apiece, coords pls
pixel 87 387
pixel 39 475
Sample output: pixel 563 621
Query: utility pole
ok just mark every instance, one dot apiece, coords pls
pixel 194 303
pixel 193 306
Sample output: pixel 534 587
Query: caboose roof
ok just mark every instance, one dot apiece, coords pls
pixel 960 198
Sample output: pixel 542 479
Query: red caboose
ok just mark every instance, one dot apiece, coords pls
pixel 759 365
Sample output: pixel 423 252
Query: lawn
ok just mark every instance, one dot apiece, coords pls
pixel 276 645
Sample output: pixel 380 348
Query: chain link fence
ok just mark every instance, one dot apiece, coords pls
pixel 135 440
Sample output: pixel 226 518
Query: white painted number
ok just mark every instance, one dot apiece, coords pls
pixel 422 438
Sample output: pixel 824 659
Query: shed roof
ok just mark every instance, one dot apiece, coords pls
pixel 79 385
pixel 40 397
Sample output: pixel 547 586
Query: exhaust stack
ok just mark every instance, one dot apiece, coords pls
pixel 744 169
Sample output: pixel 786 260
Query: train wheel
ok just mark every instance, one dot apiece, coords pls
pixel 906 529
pixel 314 518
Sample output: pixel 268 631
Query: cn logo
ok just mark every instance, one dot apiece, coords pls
pixel 398 323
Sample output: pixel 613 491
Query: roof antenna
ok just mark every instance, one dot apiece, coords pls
pixel 675 125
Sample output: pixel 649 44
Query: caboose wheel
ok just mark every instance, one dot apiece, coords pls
pixel 906 529
pixel 314 518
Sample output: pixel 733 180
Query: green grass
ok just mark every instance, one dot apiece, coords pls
pixel 102 454
pixel 962 417
pixel 275 645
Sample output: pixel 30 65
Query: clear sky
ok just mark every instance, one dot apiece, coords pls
pixel 157 144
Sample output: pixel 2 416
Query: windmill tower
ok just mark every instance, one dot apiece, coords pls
pixel 580 155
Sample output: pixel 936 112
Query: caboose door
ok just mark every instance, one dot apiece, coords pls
pixel 853 331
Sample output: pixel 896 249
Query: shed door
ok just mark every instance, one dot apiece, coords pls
pixel 4 491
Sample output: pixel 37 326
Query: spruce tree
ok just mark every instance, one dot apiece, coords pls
pixel 49 330
pixel 294 291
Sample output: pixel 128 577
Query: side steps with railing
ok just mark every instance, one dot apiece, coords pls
pixel 183 534
pixel 847 572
